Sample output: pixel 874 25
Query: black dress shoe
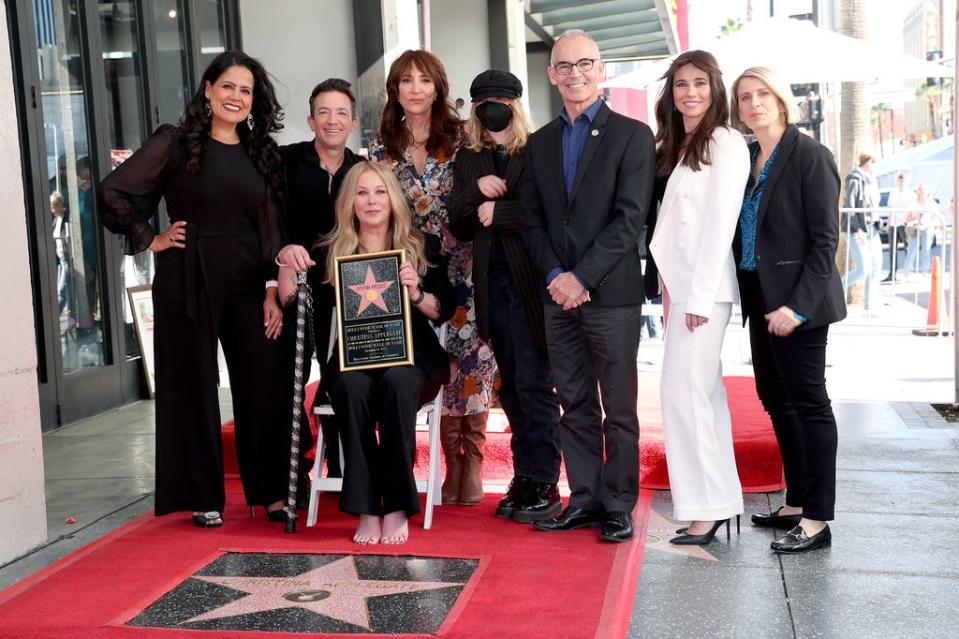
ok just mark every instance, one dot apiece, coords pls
pixel 278 516
pixel 515 496
pixel 775 520
pixel 571 519
pixel 618 527
pixel 541 501
pixel 797 541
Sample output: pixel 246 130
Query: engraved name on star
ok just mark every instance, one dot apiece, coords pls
pixel 334 590
pixel 371 291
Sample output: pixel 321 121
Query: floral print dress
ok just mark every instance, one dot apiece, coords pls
pixel 470 390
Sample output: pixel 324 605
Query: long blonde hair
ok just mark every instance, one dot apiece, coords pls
pixel 344 239
pixel 519 128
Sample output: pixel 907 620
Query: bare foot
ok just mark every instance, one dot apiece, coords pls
pixel 790 510
pixel 812 527
pixel 368 530
pixel 395 528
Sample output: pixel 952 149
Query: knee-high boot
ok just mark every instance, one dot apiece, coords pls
pixel 451 439
pixel 474 444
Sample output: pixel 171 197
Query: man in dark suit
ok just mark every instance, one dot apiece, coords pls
pixel 586 193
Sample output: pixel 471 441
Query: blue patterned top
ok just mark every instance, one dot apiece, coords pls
pixel 748 216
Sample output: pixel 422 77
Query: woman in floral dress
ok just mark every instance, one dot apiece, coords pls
pixel 419 136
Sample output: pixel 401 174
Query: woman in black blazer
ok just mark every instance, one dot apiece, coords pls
pixel 509 312
pixel 785 251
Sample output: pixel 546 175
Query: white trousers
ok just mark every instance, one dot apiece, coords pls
pixel 696 423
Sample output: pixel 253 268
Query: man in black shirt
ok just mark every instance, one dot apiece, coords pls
pixel 314 171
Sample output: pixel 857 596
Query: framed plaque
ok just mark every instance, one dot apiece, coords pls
pixel 372 312
pixel 141 306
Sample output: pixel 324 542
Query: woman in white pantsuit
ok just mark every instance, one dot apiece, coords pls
pixel 707 165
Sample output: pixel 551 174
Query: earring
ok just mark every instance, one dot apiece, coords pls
pixel 249 121
pixel 207 108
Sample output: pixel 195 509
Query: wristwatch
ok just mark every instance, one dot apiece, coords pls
pixel 419 298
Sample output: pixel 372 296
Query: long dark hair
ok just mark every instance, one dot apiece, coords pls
pixel 267 115
pixel 445 124
pixel 671 133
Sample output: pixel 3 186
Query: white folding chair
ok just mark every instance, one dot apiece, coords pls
pixel 431 412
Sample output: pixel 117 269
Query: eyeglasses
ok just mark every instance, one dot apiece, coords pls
pixel 584 65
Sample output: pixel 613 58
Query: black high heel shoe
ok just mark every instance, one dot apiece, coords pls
pixel 685 539
pixel 277 516
pixel 211 519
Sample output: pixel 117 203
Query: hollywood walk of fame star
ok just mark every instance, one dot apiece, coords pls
pixel 371 291
pixel 334 590
pixel 660 530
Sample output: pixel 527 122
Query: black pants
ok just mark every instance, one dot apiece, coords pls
pixel 526 390
pixel 896 234
pixel 592 350
pixel 189 461
pixel 791 382
pixel 378 478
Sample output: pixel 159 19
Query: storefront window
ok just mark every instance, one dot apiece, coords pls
pixel 70 193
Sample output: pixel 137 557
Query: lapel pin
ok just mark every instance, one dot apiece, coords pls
pixel 595 132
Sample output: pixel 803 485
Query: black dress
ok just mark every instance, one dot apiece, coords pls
pixel 378 477
pixel 213 289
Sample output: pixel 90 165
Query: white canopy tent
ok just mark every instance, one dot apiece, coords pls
pixel 800 52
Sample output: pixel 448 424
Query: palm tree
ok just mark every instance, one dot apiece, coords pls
pixel 854 122
pixel 731 26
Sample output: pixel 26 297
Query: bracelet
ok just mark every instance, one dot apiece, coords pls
pixel 419 298
pixel 272 283
pixel 276 260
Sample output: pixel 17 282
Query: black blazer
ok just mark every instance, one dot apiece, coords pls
pixel 797 232
pixel 428 353
pixel 507 225
pixel 594 233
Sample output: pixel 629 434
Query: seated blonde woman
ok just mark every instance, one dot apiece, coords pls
pixel 378 484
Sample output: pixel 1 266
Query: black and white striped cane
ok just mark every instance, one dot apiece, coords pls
pixel 301 313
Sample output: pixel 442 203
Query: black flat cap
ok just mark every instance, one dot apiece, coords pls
pixel 495 83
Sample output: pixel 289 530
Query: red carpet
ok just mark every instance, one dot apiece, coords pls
pixel 528 584
pixel 757 454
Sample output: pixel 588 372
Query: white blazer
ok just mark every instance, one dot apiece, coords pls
pixel 693 240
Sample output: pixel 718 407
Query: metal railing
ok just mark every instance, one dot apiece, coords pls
pixel 896 293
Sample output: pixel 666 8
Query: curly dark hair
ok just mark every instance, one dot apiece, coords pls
pixel 267 115
pixel 445 125
pixel 671 132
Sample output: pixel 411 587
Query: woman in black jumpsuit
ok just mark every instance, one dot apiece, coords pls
pixel 217 172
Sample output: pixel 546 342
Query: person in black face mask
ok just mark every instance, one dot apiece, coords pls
pixel 509 313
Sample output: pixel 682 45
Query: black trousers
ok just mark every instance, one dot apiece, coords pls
pixel 378 478
pixel 592 351
pixel 526 384
pixel 189 455
pixel 791 383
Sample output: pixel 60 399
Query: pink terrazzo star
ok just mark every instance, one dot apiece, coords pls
pixel 334 590
pixel 371 291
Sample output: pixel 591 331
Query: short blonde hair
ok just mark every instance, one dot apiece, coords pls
pixel 776 84
pixel 519 129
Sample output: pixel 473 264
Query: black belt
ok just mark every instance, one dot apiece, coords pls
pixel 195 265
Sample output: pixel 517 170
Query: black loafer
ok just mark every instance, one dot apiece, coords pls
pixel 571 519
pixel 775 520
pixel 797 541
pixel 618 527
pixel 541 501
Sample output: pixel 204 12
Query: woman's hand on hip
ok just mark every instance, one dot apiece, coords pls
pixel 174 236
pixel 272 314
pixel 695 321
pixel 782 322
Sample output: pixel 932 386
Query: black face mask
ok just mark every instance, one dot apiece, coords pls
pixel 495 116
